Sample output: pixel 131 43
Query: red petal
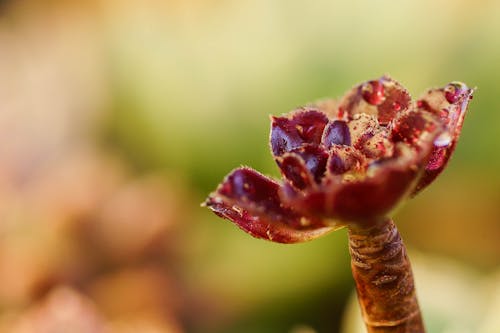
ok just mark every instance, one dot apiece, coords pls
pixel 304 126
pixel 294 169
pixel 362 127
pixel 336 133
pixel 252 202
pixel 304 165
pixel 414 127
pixel 450 105
pixel 345 159
pixel 315 158
pixel 378 145
pixel 369 197
pixel 374 197
pixel 383 98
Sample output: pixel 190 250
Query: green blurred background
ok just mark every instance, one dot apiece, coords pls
pixel 117 118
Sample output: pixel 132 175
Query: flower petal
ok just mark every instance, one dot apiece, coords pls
pixel 294 169
pixel 304 166
pixel 344 159
pixel 252 202
pixel 336 133
pixel 366 198
pixel 315 158
pixel 450 105
pixel 378 145
pixel 304 126
pixel 414 128
pixel 383 98
pixel 362 127
pixel 388 182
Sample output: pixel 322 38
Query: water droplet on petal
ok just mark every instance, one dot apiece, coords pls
pixel 373 92
pixel 443 140
pixel 396 106
pixel 454 91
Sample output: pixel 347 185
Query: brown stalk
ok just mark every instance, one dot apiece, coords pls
pixel 384 279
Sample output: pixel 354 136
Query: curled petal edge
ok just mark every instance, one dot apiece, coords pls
pixel 452 113
pixel 261 219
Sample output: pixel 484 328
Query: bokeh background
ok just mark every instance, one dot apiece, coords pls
pixel 117 118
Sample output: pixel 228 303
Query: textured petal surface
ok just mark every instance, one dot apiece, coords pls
pixel 344 159
pixel 252 202
pixel 414 127
pixel 388 182
pixel 303 126
pixel 383 98
pixel 370 196
pixel 336 133
pixel 303 166
pixel 450 105
pixel 294 170
pixel 315 158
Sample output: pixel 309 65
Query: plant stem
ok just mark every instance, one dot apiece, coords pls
pixel 384 279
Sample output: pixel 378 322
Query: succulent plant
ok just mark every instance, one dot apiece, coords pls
pixel 350 163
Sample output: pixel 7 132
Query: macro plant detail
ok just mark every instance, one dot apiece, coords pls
pixel 350 163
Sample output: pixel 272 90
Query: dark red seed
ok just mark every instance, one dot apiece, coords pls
pixel 373 92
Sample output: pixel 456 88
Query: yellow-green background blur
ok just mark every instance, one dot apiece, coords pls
pixel 117 118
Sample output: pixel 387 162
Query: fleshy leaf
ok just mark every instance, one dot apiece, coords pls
pixel 414 126
pixel 294 169
pixel 378 145
pixel 303 166
pixel 303 126
pixel 336 133
pixel 362 127
pixel 384 98
pixel 450 105
pixel 388 183
pixel 252 202
pixel 315 158
pixel 363 200
pixel 345 159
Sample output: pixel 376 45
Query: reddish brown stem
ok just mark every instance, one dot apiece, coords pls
pixel 384 280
